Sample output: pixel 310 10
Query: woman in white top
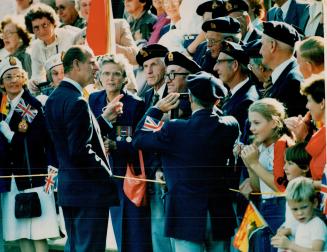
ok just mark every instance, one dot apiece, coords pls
pixel 265 160
pixel 42 21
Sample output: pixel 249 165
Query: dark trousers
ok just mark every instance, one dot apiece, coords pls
pixel 86 228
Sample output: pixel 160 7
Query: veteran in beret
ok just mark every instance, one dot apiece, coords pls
pixel 197 178
pixel 277 50
pixel 239 9
pixel 232 68
pixel 261 73
pixel 217 30
pixel 179 67
pixel 151 58
pixel 24 150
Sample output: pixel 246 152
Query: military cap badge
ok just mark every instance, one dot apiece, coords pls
pixel 170 56
pixel 213 25
pixel 214 5
pixel 229 6
pixel 143 53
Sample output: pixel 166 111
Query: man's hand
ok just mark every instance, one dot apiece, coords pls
pixel 113 109
pixel 168 103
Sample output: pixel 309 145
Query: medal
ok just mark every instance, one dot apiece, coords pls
pixel 128 139
pixel 118 138
pixel 22 126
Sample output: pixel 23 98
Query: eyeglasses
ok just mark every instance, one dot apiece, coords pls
pixel 171 76
pixel 219 61
pixel 114 74
pixel 8 33
pixel 213 41
pixel 9 78
pixel 60 8
pixel 44 26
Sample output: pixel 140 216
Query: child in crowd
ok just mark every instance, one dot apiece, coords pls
pixel 264 160
pixel 297 162
pixel 311 232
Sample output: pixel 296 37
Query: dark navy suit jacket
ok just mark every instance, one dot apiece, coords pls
pixel 238 104
pixel 83 180
pixel 194 154
pixel 149 94
pixel 286 89
pixel 297 14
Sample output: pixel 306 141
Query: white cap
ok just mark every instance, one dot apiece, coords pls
pixel 9 63
pixel 53 61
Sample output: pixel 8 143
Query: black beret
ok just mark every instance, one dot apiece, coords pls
pixel 149 52
pixel 223 25
pixel 281 31
pixel 205 87
pixel 236 5
pixel 179 59
pixel 252 48
pixel 216 7
pixel 235 51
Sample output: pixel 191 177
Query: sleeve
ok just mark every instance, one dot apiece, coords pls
pixel 319 231
pixel 153 141
pixel 126 44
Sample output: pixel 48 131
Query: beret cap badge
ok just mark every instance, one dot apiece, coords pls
pixel 214 5
pixel 228 6
pixel 170 56
pixel 143 53
pixel 213 26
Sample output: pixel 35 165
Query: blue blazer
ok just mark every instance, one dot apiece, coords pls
pixel 13 155
pixel 239 103
pixel 82 178
pixel 194 155
pixel 286 89
pixel 297 14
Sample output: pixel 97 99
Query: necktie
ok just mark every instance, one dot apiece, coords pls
pixel 173 27
pixel 279 15
pixel 155 99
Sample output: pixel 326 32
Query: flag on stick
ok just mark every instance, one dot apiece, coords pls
pixel 100 33
pixel 252 222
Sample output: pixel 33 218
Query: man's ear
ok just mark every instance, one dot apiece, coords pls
pixel 76 63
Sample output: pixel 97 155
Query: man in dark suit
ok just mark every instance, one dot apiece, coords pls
pixel 291 12
pixel 277 51
pixel 231 66
pixel 85 188
pixel 197 177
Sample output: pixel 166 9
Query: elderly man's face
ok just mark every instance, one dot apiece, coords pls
pixel 178 84
pixel 265 50
pixel 154 70
pixel 214 40
pixel 66 11
pixel 132 6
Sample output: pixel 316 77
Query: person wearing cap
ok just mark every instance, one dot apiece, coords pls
pixel 86 189
pixel 239 9
pixel 260 72
pixel 24 143
pixel 217 30
pixel 231 67
pixel 292 12
pixel 196 177
pixel 131 224
pixel 151 58
pixel 278 41
pixel 178 68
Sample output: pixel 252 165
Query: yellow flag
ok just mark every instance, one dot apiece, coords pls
pixel 252 222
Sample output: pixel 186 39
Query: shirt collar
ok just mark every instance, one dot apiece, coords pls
pixel 285 8
pixel 74 83
pixel 278 70
pixel 238 86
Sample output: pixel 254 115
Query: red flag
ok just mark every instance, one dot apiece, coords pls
pixel 100 33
